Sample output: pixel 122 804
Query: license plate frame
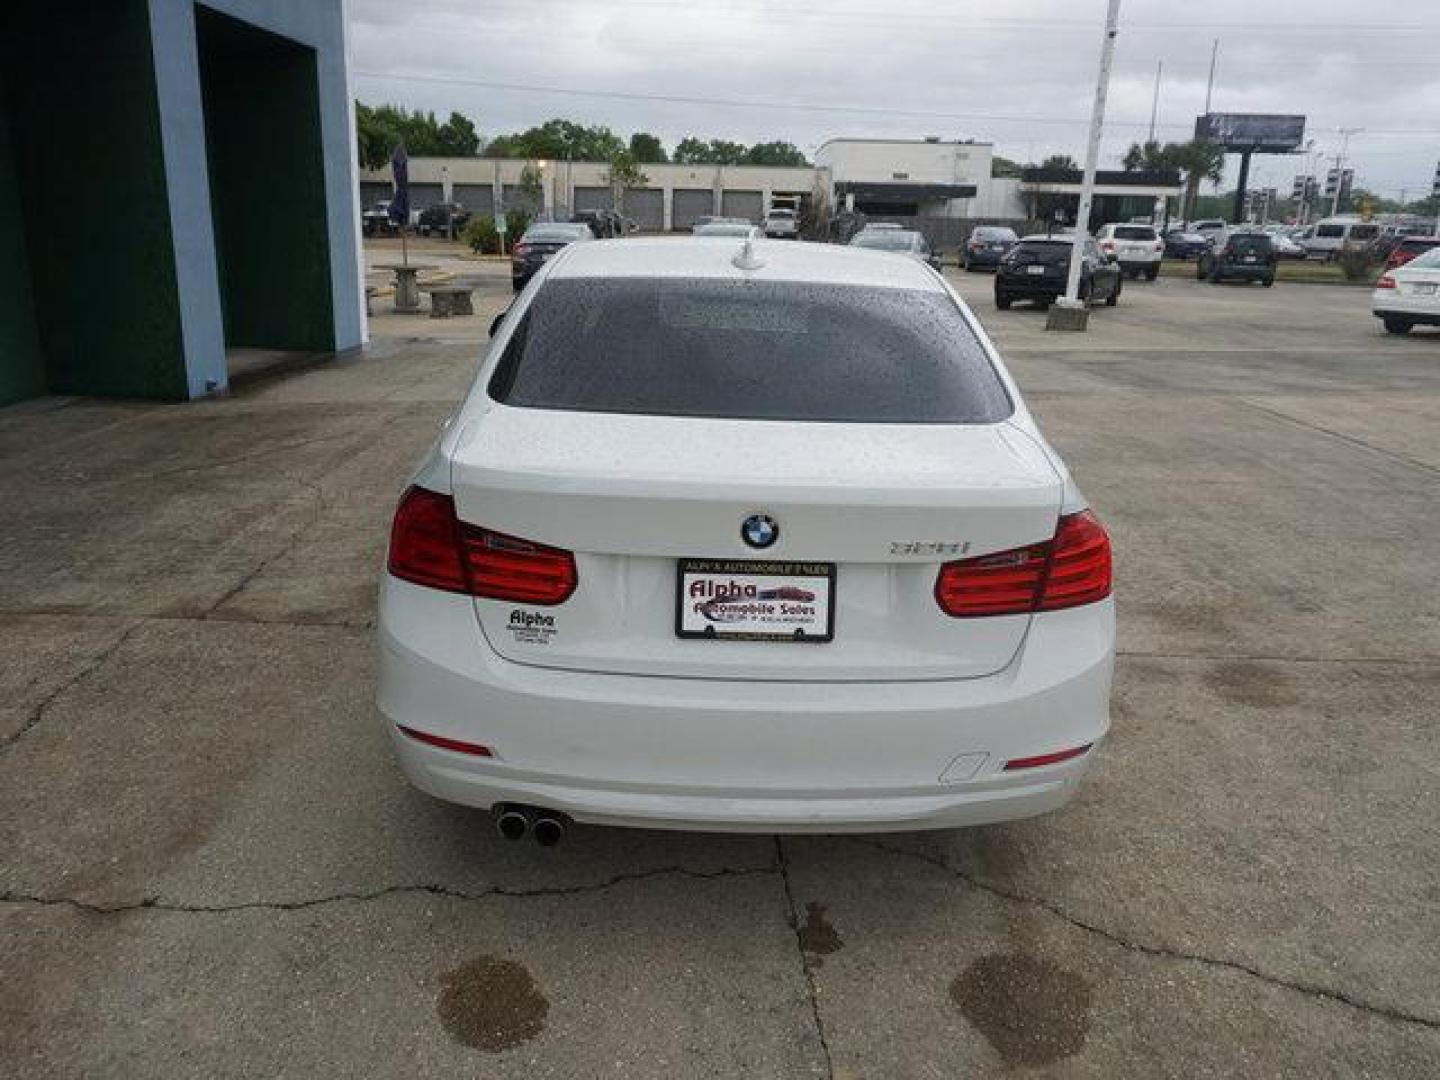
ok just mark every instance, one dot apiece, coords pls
pixel 1035 270
pixel 762 574
pixel 1423 288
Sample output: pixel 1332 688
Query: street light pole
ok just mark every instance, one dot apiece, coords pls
pixel 1092 153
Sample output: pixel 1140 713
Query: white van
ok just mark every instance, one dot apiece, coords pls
pixel 1332 234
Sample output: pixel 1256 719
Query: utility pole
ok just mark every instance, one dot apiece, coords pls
pixel 1210 85
pixel 1070 314
pixel 1155 101
pixel 1345 134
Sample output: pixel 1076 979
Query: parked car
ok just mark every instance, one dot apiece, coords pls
pixel 443 219
pixel 1208 227
pixel 1184 244
pixel 1332 235
pixel 919 631
pixel 986 246
pixel 1285 246
pixel 1409 295
pixel 901 241
pixel 539 242
pixel 1138 249
pixel 1408 247
pixel 603 224
pixel 1038 268
pixel 1239 255
pixel 782 223
pixel 376 220
pixel 726 227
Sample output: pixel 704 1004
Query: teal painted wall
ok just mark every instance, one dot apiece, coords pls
pixel 267 185
pixel 22 367
pixel 85 135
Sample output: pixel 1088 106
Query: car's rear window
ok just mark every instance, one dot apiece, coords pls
pixel 987 232
pixel 1050 252
pixel 1249 244
pixel 749 350
pixel 1134 232
pixel 1329 232
pixel 1418 245
pixel 888 240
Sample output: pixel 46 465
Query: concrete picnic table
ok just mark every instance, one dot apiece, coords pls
pixel 407 292
pixel 447 299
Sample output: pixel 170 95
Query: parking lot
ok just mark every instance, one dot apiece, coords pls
pixel 212 867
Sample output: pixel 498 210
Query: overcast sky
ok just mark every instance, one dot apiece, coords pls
pixel 1020 74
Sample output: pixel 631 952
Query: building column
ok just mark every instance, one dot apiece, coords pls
pixel 667 204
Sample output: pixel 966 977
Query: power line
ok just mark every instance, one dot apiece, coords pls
pixel 775 105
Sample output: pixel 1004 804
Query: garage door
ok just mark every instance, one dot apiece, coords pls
pixel 514 199
pixel 477 198
pixel 646 207
pixel 689 204
pixel 423 195
pixel 593 198
pixel 743 204
pixel 372 192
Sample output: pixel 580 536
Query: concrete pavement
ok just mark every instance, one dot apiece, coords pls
pixel 211 867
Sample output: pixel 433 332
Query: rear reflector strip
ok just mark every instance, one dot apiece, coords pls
pixel 443 743
pixel 1046 759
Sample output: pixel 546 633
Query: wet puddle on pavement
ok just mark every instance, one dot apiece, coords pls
pixel 1031 1011
pixel 491 1004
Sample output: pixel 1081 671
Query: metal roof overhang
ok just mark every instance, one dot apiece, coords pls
pixel 1055 188
pixel 887 191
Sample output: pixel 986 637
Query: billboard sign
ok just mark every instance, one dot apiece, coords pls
pixel 1265 133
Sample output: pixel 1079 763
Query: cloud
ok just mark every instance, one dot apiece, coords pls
pixel 1020 75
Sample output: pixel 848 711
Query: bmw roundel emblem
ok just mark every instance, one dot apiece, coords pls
pixel 759 530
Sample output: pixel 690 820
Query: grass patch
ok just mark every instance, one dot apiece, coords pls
pixel 1296 271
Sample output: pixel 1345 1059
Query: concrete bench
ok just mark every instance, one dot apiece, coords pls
pixel 448 300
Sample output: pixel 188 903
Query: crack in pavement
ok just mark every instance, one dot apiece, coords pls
pixel 155 903
pixel 1159 951
pixel 96 662
pixel 793 917
pixel 1353 440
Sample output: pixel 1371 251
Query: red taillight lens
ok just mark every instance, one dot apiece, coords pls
pixel 519 250
pixel 1079 563
pixel 430 546
pixel 1071 569
pixel 508 568
pixel 1045 759
pixel 425 541
pixel 1385 282
pixel 443 743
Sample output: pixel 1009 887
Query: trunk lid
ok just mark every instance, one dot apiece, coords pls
pixel 633 495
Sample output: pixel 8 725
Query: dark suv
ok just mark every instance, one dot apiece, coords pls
pixel 1239 256
pixel 443 218
pixel 986 246
pixel 1037 268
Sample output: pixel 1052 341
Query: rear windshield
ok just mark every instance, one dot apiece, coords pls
pixel 1249 244
pixel 1051 252
pixel 1329 232
pixel 1418 245
pixel 554 234
pixel 887 240
pixel 1134 232
pixel 749 350
pixel 1364 232
pixel 986 232
pixel 1431 258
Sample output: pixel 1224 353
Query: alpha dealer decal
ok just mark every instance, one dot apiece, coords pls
pixel 531 627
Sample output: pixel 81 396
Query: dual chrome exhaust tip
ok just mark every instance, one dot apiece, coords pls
pixel 514 822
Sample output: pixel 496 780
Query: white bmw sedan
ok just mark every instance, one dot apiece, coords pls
pixel 1409 295
pixel 750 537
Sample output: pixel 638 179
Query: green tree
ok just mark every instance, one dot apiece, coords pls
pixel 1198 160
pixel 777 153
pixel 623 174
pixel 532 185
pixel 724 152
pixel 1004 167
pixel 558 140
pixel 1149 156
pixel 691 151
pixel 1060 161
pixel 457 137
pixel 647 149
pixel 375 137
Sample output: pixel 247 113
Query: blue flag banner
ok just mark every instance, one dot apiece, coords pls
pixel 400 201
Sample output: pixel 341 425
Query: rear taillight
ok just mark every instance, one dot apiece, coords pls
pixel 1046 759
pixel 1159 245
pixel 430 546
pixel 520 249
pixel 1071 569
pixel 1385 282
pixel 1107 245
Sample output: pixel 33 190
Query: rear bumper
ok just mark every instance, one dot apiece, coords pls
pixel 1246 273
pixel 729 755
pixel 1416 311
pixel 1030 288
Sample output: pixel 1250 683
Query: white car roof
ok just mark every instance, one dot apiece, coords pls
pixel 713 257
pixel 1058 238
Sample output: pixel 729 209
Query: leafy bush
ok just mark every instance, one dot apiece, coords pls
pixel 1357 262
pixel 479 232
